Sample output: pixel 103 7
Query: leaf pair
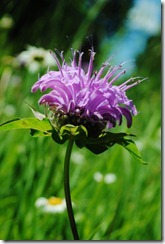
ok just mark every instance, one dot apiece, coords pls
pixel 97 145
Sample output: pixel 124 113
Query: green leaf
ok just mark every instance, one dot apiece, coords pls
pixel 131 147
pixel 27 123
pixel 108 139
pixel 104 141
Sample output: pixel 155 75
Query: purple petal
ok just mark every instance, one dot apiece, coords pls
pixel 128 116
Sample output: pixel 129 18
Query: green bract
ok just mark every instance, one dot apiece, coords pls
pixel 68 131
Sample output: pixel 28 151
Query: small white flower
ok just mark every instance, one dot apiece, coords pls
pixel 51 205
pixel 98 176
pixel 33 58
pixel 110 178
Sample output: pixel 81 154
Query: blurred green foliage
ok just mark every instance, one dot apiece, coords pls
pixel 129 208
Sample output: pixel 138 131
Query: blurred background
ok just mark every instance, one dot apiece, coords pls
pixel 115 198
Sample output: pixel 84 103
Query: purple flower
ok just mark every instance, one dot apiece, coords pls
pixel 87 98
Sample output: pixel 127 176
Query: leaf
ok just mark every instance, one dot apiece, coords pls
pixel 104 141
pixel 96 148
pixel 131 147
pixel 108 139
pixel 27 123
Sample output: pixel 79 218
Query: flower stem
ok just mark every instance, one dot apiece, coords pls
pixel 67 190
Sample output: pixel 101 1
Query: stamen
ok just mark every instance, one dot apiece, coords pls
pixel 58 52
pixel 110 72
pixel 101 71
pixel 134 84
pixel 80 63
pixel 128 81
pixel 125 62
pixel 62 57
pixel 117 76
pixel 90 67
pixel 74 58
pixel 57 62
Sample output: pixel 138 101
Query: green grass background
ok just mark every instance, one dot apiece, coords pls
pixel 128 209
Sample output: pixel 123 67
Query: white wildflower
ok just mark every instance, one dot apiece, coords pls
pixel 51 205
pixel 98 176
pixel 110 178
pixel 34 58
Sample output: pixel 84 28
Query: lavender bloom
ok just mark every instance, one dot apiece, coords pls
pixel 87 98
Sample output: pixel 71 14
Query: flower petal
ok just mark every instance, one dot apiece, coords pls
pixel 128 116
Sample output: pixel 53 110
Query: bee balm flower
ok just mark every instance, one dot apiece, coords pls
pixel 86 98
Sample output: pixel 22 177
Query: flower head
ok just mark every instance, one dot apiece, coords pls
pixel 87 98
pixel 34 58
pixel 51 205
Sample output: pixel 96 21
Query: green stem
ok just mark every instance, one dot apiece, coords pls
pixel 67 190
